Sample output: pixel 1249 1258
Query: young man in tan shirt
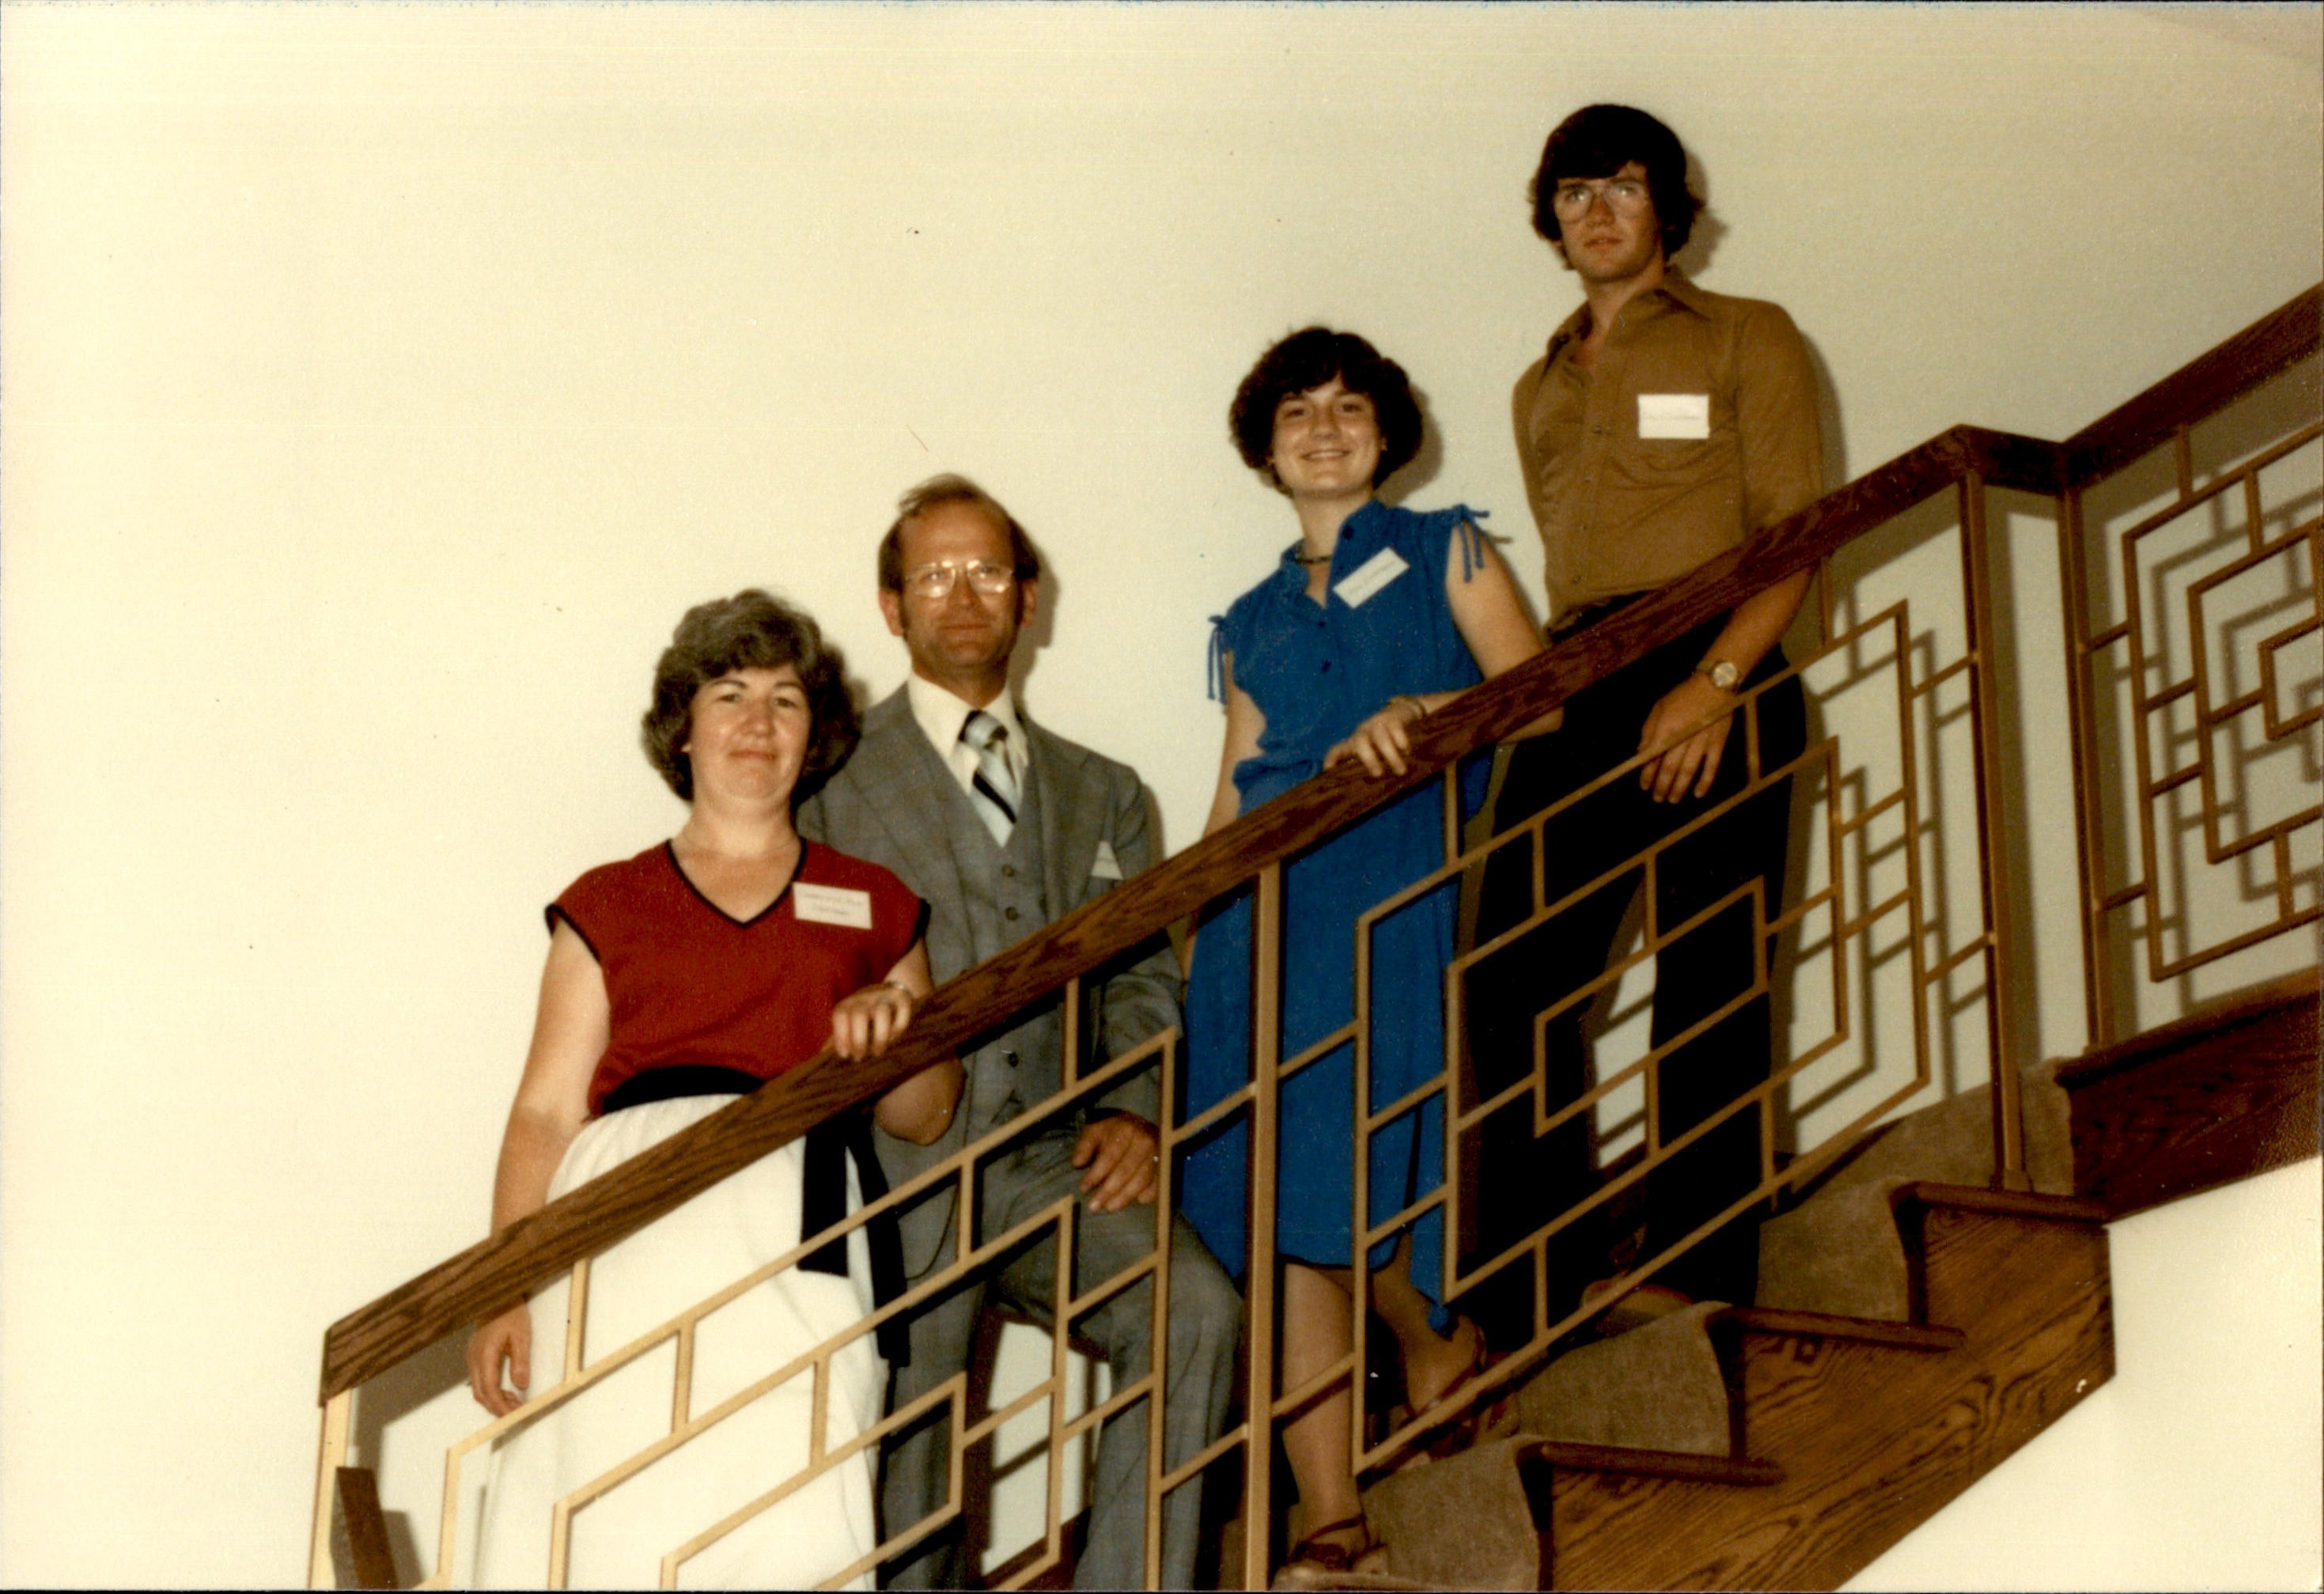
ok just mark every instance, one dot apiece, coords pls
pixel 1663 426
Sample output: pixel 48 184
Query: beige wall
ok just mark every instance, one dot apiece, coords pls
pixel 381 382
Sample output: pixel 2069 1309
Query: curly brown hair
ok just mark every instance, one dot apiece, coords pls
pixel 752 630
pixel 1307 359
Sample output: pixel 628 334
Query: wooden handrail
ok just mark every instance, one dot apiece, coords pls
pixel 2198 390
pixel 495 1271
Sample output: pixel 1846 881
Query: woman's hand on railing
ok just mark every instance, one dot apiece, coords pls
pixel 507 1338
pixel 873 1019
pixel 870 1020
pixel 1380 742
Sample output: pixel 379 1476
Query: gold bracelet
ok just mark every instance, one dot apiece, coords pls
pixel 1419 709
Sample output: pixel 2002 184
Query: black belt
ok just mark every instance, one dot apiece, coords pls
pixel 823 1196
pixel 1589 614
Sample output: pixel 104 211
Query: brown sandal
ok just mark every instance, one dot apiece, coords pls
pixel 1495 1417
pixel 1313 1563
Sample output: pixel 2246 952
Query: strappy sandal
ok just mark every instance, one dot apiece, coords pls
pixel 1483 1422
pixel 1314 1564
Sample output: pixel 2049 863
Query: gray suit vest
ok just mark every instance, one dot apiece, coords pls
pixel 1000 889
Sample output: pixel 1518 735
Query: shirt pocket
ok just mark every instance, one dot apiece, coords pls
pixel 1667 504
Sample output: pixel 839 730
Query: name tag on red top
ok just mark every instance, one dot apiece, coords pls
pixel 831 905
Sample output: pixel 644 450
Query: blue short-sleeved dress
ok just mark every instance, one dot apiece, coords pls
pixel 1316 672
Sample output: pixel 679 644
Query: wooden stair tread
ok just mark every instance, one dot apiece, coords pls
pixel 2260 1002
pixel 1863 1331
pixel 2230 1091
pixel 1740 1471
pixel 2002 1204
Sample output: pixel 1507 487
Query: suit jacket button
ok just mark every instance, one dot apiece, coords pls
pixel 1008 913
pixel 1008 871
pixel 1011 1058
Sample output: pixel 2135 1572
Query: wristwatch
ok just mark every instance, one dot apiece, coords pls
pixel 1723 673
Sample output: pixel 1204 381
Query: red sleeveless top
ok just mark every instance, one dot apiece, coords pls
pixel 690 985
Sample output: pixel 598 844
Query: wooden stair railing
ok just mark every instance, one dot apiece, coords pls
pixel 481 1279
pixel 489 1274
pixel 492 1272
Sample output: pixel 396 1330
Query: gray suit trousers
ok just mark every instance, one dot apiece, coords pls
pixel 1205 1321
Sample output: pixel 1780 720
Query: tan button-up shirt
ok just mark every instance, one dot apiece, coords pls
pixel 1697 428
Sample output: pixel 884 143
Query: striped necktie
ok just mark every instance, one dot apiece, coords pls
pixel 993 788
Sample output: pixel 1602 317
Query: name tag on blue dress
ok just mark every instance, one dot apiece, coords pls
pixel 1368 577
pixel 831 905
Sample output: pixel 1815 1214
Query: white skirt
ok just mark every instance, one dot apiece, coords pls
pixel 619 1539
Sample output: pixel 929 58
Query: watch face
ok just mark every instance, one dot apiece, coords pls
pixel 1724 675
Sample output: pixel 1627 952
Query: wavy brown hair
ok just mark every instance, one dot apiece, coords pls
pixel 752 630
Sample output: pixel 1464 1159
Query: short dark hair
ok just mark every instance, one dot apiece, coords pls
pixel 752 630
pixel 1599 140
pixel 1308 359
pixel 933 494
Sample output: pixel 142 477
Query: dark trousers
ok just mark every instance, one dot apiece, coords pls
pixel 1524 1182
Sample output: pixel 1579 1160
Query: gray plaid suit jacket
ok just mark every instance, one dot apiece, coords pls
pixel 895 803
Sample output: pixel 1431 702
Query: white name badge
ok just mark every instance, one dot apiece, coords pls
pixel 1369 577
pixel 1105 866
pixel 831 905
pixel 1673 415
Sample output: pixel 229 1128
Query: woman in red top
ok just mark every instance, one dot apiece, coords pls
pixel 676 980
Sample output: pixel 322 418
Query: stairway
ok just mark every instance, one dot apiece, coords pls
pixel 1914 1327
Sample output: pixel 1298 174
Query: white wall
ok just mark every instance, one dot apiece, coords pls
pixel 381 382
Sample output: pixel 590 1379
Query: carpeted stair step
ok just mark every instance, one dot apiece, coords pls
pixel 1838 1251
pixel 1658 1387
pixel 1652 1401
pixel 1463 1523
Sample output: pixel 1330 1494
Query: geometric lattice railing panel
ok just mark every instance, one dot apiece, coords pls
pixel 2202 632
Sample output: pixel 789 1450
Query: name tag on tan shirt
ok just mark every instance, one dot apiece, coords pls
pixel 1673 415
pixel 1369 577
pixel 831 905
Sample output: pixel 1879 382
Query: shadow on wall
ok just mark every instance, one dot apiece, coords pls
pixel 403 1390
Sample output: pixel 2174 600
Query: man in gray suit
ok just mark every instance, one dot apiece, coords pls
pixel 1002 828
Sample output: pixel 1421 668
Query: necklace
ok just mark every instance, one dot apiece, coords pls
pixel 1313 559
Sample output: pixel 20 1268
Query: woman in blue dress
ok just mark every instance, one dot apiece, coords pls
pixel 1375 617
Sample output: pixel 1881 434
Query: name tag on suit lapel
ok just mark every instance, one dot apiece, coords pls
pixel 831 905
pixel 1369 577
pixel 1673 415
pixel 1105 866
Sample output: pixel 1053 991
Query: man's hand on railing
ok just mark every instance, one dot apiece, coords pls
pixel 507 1338
pixel 1123 1156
